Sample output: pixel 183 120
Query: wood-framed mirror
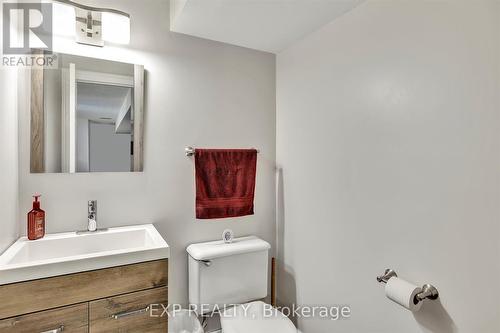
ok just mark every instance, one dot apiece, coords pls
pixel 87 115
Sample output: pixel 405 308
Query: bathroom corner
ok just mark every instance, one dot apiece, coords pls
pixel 9 157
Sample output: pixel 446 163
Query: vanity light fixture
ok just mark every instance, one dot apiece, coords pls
pixel 90 25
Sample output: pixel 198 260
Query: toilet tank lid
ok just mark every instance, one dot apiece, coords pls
pixel 218 249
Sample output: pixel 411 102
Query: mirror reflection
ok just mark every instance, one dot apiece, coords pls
pixel 90 117
pixel 103 128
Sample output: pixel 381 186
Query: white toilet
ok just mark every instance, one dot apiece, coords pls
pixel 222 274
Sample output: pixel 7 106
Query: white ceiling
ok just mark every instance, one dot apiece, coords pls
pixel 266 25
pixel 95 101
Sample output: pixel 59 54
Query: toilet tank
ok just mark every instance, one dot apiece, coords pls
pixel 224 274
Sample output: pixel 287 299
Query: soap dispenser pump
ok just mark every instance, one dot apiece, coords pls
pixel 36 220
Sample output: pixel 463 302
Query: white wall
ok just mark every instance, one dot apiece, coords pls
pixel 9 226
pixel 388 134
pixel 108 151
pixel 8 158
pixel 198 93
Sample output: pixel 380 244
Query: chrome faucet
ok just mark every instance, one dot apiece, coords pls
pixel 92 216
pixel 91 219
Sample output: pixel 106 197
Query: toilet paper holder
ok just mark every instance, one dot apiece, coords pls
pixel 386 276
pixel 428 290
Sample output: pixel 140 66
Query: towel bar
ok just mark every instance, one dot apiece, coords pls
pixel 190 151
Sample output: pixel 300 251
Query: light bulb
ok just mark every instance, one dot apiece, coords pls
pixel 64 20
pixel 115 28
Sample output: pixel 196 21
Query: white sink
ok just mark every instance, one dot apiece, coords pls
pixel 66 253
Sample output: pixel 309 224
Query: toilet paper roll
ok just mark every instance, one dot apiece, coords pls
pixel 403 293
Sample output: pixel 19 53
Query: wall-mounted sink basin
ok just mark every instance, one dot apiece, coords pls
pixel 66 253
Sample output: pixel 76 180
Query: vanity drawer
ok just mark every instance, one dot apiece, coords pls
pixel 130 313
pixel 69 319
pixel 39 295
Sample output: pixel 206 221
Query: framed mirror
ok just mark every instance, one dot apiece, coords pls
pixel 87 115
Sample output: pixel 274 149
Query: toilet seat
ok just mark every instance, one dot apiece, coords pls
pixel 255 317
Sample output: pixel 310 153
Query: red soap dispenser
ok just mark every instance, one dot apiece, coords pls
pixel 36 220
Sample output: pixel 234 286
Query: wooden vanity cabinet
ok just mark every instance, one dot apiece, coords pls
pixel 130 312
pixel 72 318
pixel 117 299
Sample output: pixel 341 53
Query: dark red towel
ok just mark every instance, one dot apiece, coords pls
pixel 225 182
